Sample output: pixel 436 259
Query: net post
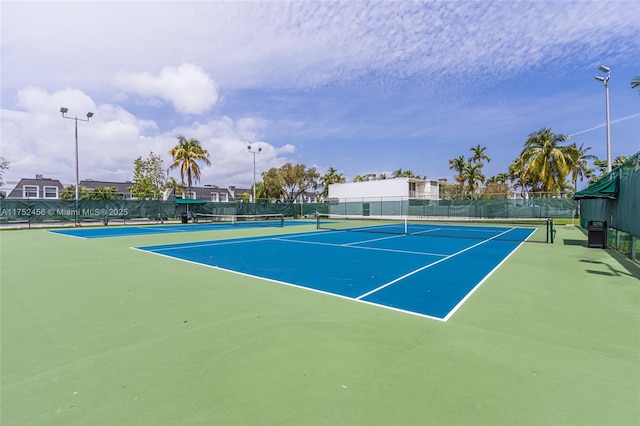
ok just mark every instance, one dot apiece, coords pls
pixel 406 226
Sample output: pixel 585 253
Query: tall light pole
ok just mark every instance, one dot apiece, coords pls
pixel 254 169
pixel 605 80
pixel 64 110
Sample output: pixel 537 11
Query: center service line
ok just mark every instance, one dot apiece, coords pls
pixel 430 265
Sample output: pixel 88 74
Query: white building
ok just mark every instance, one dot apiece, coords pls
pixel 384 197
pixel 385 190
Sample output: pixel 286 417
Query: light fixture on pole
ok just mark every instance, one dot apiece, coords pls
pixel 64 110
pixel 254 169
pixel 605 80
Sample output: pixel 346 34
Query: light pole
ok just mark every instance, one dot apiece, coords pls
pixel 254 170
pixel 605 80
pixel 64 110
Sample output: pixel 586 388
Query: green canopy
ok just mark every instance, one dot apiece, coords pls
pixel 188 201
pixel 601 189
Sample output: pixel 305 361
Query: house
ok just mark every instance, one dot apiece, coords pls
pixel 40 187
pixel 209 193
pixel 386 189
pixel 384 197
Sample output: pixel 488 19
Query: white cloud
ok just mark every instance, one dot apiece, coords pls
pixel 38 140
pixel 299 44
pixel 188 87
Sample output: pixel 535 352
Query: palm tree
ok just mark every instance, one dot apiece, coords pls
pixel 546 161
pixel 517 175
pixel 358 178
pixel 175 186
pixel 458 165
pixel 186 155
pixel 383 176
pixel 502 177
pixel 473 176
pixel 403 173
pixel 578 164
pixel 329 178
pixel 479 155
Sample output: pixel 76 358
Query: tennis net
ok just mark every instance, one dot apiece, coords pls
pixel 276 220
pixel 510 229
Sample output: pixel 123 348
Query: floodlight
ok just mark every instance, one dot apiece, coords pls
pixel 64 110
pixel 605 80
pixel 89 114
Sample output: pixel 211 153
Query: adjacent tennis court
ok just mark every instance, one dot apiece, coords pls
pixel 201 223
pixel 430 275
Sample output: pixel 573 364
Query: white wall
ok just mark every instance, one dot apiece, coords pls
pixel 384 188
pixel 398 187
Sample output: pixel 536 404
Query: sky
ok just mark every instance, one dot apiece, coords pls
pixel 363 87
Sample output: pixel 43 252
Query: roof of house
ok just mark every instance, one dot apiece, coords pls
pixel 39 181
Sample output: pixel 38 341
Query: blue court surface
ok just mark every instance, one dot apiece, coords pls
pixel 128 231
pixel 428 276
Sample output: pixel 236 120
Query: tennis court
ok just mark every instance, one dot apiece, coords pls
pixel 201 223
pixel 95 333
pixel 429 272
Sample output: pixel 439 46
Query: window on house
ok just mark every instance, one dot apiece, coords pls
pixel 224 198
pixel 214 197
pixel 30 191
pixel 50 192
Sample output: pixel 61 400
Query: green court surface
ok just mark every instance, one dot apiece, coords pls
pixel 94 333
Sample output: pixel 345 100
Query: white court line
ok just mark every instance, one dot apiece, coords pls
pixel 239 240
pixel 391 308
pixel 429 265
pixel 66 235
pixel 360 248
pixel 464 299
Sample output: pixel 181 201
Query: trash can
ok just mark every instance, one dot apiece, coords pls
pixel 185 218
pixel 597 234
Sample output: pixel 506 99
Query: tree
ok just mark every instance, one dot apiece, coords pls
pixel 479 155
pixel 546 160
pixel 149 178
pixel 69 193
pixel 289 181
pixel 297 180
pixel 358 178
pixel 473 176
pixel 103 193
pixel 245 197
pixel 175 186
pixel 4 165
pixel 272 185
pixel 331 177
pixel 578 164
pixel 458 165
pixel 403 173
pixel 186 155
pixel 502 177
pixel 602 167
pixel 517 175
